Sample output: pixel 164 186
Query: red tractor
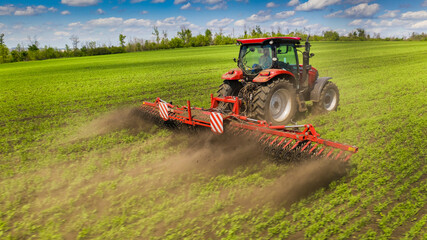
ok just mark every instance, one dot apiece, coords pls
pixel 272 83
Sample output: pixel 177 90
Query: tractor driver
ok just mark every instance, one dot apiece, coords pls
pixel 265 60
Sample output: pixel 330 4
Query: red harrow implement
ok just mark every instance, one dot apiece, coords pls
pixel 279 140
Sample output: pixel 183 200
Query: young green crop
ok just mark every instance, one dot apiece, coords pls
pixel 70 168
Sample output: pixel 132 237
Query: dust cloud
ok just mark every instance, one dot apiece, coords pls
pixel 210 154
pixel 215 154
pixel 300 181
pixel 124 118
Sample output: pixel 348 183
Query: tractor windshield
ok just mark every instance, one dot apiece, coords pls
pixel 254 58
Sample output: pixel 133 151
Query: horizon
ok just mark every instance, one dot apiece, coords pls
pixel 52 23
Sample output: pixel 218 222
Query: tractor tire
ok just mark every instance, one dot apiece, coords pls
pixel 275 102
pixel 228 88
pixel 329 99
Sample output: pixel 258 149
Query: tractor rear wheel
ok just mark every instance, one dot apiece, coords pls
pixel 228 88
pixel 329 99
pixel 275 102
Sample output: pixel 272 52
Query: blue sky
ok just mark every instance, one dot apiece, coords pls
pixel 52 22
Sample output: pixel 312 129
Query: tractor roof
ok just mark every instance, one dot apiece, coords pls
pixel 263 40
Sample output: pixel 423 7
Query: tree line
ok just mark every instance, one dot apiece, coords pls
pixel 183 38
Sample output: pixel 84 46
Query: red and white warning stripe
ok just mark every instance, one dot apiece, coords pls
pixel 216 122
pixel 163 109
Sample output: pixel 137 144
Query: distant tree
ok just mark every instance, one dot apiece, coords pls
pixel 208 35
pixel 361 33
pixel 156 34
pixel 185 34
pixel 74 41
pixel 122 40
pixel 3 49
pixel 2 39
pixel 331 36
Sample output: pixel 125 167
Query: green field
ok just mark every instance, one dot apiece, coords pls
pixel 75 163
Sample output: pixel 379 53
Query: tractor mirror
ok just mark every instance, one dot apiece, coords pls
pixel 311 54
pixel 234 59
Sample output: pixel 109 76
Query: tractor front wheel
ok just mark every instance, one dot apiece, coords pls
pixel 275 102
pixel 228 88
pixel 329 99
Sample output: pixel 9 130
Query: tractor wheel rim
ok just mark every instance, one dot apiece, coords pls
pixel 330 100
pixel 280 106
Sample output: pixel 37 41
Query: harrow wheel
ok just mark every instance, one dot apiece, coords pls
pixel 329 99
pixel 275 102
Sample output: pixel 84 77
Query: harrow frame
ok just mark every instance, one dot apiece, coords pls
pixel 291 138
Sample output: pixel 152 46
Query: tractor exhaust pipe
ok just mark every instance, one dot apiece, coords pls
pixel 306 64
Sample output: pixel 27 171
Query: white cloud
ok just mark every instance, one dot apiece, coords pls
pixel 185 6
pixel 179 1
pixel 105 22
pixel 219 23
pixel 144 12
pixel 424 4
pixel 381 24
pixel 136 1
pixel 61 34
pixel 356 22
pixel 66 12
pixel 75 24
pixel 335 14
pixel 415 15
pixel 354 2
pixel 2 25
pixel 311 5
pixel 34 10
pixel 7 9
pixel 221 5
pixel 362 10
pixel 272 5
pixel 261 16
pixel 240 23
pixel 80 3
pixel 133 22
pixel 212 1
pixel 293 3
pixel 297 22
pixel 158 1
pixel 100 11
pixel 390 14
pixel 422 24
pixel 284 14
pixel 173 22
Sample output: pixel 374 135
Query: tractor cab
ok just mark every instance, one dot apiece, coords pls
pixel 268 53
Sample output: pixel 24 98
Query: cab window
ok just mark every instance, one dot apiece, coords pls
pixel 286 55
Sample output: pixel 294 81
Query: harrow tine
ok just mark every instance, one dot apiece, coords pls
pixel 267 139
pixel 348 157
pixel 330 152
pixel 259 140
pixel 305 146
pixel 320 152
pixel 274 140
pixel 339 154
pixel 296 144
pixel 289 142
pixel 283 139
